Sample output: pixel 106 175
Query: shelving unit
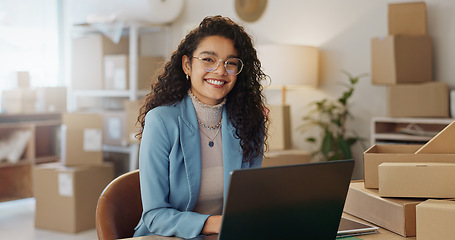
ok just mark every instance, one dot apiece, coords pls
pixel 41 147
pixel 133 31
pixel 387 130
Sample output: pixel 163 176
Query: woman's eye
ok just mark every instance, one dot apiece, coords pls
pixel 208 60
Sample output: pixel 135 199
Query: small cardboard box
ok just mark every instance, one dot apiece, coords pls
pixel 442 142
pixel 395 214
pixel 285 157
pixel 435 219
pixel 418 180
pixel 378 154
pixel 51 99
pixel 19 101
pixel 116 74
pixel 401 59
pixel 88 59
pixel 23 80
pixel 407 18
pixel 66 197
pixel 82 139
pixel 429 99
pixel 280 127
pixel 114 128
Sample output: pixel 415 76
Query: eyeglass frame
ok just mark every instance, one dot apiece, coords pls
pixel 218 64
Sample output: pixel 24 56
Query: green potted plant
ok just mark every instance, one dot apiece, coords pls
pixel 329 116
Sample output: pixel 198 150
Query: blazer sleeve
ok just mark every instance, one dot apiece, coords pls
pixel 159 216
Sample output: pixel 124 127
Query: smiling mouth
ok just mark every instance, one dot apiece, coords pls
pixel 215 82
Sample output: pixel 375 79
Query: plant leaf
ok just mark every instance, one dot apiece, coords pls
pixel 327 142
pixel 345 147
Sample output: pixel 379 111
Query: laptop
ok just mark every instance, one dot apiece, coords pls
pixel 302 201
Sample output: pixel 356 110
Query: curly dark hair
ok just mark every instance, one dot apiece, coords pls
pixel 244 103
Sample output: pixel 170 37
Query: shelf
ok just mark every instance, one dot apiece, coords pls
pixel 117 149
pixel 47 159
pixel 401 137
pixel 19 163
pixel 85 29
pixel 386 130
pixel 40 147
pixel 107 93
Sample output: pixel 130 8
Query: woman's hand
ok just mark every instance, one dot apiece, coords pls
pixel 212 225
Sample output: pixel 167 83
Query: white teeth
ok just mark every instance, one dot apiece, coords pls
pixel 215 82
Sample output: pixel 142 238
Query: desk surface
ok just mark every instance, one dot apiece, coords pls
pixel 382 235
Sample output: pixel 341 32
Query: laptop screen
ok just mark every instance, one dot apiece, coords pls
pixel 304 201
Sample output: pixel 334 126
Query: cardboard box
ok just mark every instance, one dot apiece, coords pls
pixel 395 214
pixel 378 154
pixel 82 139
pixel 407 18
pixel 280 127
pixel 452 103
pixel 88 59
pixel 66 197
pixel 418 100
pixel 114 128
pixel 23 80
pixel 285 157
pixel 51 99
pixel 441 143
pixel 117 71
pixel 435 219
pixel 418 180
pixel 401 59
pixel 132 109
pixel 19 101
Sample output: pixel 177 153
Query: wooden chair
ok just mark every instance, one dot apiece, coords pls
pixel 119 207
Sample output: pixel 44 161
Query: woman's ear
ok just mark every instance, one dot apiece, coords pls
pixel 186 65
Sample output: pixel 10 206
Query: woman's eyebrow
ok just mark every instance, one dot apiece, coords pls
pixel 209 52
pixel 214 54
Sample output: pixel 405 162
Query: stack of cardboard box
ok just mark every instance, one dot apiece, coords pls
pixel 98 63
pixel 25 99
pixel 67 192
pixel 401 184
pixel 403 62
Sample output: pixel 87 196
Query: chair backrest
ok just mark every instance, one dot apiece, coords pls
pixel 119 207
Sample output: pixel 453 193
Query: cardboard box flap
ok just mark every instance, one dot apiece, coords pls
pixel 442 143
pixel 396 148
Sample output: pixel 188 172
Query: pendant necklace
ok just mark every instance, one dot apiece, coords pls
pixel 211 143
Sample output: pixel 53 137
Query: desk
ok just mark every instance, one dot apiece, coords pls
pixel 382 235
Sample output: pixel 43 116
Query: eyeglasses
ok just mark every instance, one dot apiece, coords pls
pixel 210 63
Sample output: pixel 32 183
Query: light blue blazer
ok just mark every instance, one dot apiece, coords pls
pixel 170 169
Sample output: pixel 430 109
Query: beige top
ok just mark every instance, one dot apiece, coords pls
pixel 210 200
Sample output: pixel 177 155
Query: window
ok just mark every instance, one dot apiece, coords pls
pixel 29 41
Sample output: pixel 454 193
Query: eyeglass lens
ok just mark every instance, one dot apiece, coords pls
pixel 233 66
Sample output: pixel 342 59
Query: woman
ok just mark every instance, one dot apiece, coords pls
pixel 203 118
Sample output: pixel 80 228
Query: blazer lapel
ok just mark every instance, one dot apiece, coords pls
pixel 191 148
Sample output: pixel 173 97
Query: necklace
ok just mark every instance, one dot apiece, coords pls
pixel 210 127
pixel 211 143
